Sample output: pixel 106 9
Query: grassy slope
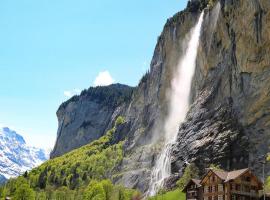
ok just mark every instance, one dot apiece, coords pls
pixel 172 195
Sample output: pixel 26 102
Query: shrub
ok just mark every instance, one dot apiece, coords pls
pixel 190 172
pixel 119 120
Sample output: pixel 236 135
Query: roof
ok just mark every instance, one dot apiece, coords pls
pixel 227 176
pixel 195 181
pixel 235 174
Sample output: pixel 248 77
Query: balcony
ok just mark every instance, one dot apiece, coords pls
pixel 250 194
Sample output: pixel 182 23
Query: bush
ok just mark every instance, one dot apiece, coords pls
pixel 24 192
pixel 190 172
pixel 119 120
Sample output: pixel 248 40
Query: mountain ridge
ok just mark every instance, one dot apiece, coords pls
pixel 16 156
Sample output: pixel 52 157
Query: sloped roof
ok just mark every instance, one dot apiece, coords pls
pixel 235 174
pixel 196 181
pixel 227 176
pixel 221 174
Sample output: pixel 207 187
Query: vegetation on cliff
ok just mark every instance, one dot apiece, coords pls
pixel 75 174
pixel 190 172
pixel 111 96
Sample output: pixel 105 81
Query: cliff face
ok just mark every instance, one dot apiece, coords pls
pixel 228 122
pixel 87 117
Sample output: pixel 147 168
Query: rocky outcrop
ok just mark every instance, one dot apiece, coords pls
pixel 87 117
pixel 228 121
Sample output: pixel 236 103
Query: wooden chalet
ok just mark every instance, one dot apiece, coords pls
pixel 193 190
pixel 222 185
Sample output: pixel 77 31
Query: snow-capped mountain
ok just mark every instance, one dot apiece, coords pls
pixel 16 156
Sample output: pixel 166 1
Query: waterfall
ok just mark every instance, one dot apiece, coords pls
pixel 178 108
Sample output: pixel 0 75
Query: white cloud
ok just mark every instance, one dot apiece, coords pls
pixel 70 93
pixel 103 79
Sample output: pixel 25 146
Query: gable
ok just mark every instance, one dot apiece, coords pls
pixel 210 178
pixel 192 184
pixel 250 178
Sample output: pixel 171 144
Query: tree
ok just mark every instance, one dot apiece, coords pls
pixel 119 120
pixel 108 188
pixel 190 172
pixel 215 167
pixel 25 175
pixel 3 193
pixel 24 192
pixel 94 191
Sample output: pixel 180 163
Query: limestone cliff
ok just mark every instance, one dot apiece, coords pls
pixel 87 117
pixel 228 122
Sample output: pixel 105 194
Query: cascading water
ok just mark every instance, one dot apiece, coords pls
pixel 178 108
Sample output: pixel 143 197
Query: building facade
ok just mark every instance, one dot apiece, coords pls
pixel 193 190
pixel 234 185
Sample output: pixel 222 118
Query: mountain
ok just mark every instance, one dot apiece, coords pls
pixel 16 156
pixel 228 120
pixel 89 116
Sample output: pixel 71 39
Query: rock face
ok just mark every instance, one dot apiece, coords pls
pixel 16 156
pixel 228 121
pixel 87 117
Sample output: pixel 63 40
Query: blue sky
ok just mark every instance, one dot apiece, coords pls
pixel 51 49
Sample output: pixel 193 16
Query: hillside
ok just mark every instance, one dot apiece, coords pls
pixel 68 176
pixel 85 118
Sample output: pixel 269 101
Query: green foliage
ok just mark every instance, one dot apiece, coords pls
pixel 267 184
pixel 190 172
pixel 119 120
pixel 111 96
pixel 78 175
pixel 94 191
pixel 3 193
pixel 94 161
pixel 105 190
pixel 171 195
pixel 215 167
pixel 24 192
pixel 211 3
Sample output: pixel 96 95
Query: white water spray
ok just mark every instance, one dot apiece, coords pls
pixel 178 108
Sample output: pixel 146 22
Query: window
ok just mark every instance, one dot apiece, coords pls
pixel 237 187
pixel 210 189
pixel 206 189
pixel 220 187
pixel 216 198
pixel 220 197
pixel 246 188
